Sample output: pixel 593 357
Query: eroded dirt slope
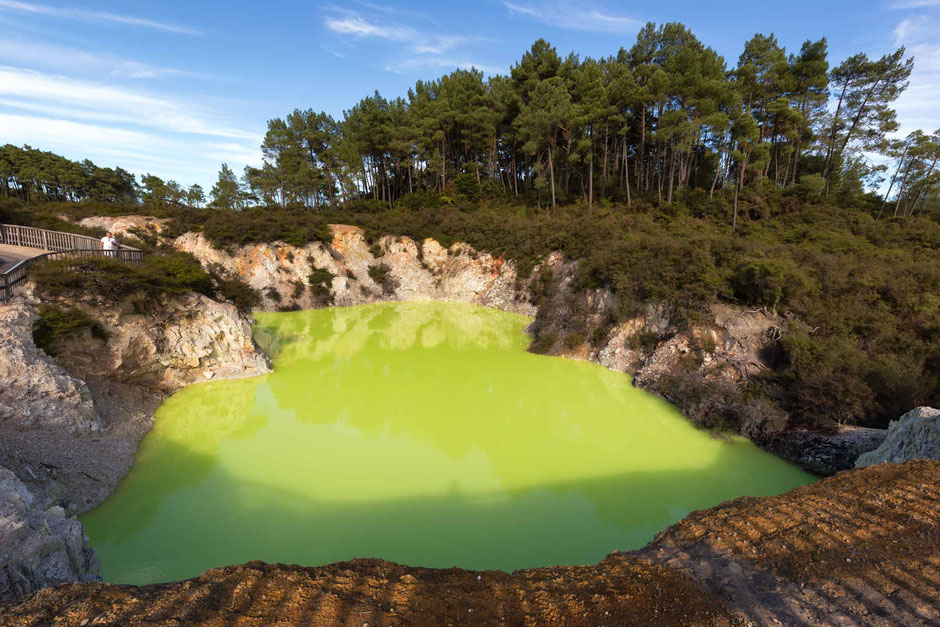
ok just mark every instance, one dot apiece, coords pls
pixel 859 548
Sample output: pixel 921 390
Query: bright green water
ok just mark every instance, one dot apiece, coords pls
pixel 421 433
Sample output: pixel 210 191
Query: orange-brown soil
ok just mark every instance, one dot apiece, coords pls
pixel 862 547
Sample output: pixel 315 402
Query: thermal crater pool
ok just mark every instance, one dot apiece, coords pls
pixel 421 433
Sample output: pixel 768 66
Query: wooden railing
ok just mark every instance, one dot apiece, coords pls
pixel 60 246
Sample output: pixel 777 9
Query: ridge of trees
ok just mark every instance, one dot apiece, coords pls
pixel 663 116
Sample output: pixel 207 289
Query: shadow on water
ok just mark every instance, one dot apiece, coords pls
pixel 166 526
pixel 420 433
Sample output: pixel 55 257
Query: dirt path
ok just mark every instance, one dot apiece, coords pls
pixel 861 548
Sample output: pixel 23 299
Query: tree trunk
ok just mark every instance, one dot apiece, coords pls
pixel 832 136
pixel 551 173
pixel 672 175
pixel 641 158
pixel 718 167
pixel 626 169
pixel 891 186
pixel 737 189
pixel 591 180
pixel 901 189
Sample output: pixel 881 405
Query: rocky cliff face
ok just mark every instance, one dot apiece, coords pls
pixel 568 323
pixel 39 545
pixel 35 392
pixel 395 268
pixel 124 226
pixel 915 435
pixel 169 344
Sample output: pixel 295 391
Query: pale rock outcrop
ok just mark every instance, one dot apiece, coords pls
pixel 915 435
pixel 623 350
pixel 280 272
pixel 39 546
pixel 727 349
pixel 180 340
pixel 34 391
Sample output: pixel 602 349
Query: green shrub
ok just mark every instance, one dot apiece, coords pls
pixel 599 335
pixel 365 205
pixel 320 281
pixel 297 227
pixel 810 187
pixel 57 323
pixel 421 199
pixel 379 274
pixel 573 341
pixel 112 280
pixel 244 297
pixel 764 283
pixel 645 341
pixel 468 188
pixel 542 343
pixel 175 273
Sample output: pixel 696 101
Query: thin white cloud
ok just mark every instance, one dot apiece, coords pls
pixel 440 45
pixel 574 16
pixel 418 49
pixel 918 106
pixel 915 4
pixel 85 98
pixel 338 55
pixel 433 62
pixel 62 58
pixel 387 8
pixel 355 25
pixel 100 17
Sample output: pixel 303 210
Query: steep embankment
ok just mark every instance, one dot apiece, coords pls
pixel 859 548
pixel 703 368
pixel 69 426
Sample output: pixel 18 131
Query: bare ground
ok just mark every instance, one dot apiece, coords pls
pixel 80 472
pixel 860 548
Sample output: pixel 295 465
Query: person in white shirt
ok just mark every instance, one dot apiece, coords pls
pixel 108 243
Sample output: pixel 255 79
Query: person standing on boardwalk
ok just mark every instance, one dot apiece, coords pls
pixel 110 244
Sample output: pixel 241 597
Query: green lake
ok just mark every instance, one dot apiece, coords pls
pixel 421 433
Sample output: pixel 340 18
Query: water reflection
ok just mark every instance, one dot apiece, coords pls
pixel 417 432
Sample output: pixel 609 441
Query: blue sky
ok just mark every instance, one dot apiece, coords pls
pixel 174 88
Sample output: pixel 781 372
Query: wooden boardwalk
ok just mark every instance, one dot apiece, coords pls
pixel 20 245
pixel 12 255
